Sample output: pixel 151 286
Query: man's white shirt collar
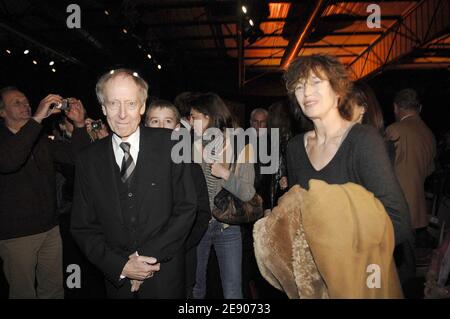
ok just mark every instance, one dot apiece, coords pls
pixel 406 116
pixel 133 139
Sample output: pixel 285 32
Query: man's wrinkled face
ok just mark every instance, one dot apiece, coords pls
pixel 17 108
pixel 123 107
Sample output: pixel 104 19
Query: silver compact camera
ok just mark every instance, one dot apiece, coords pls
pixel 63 106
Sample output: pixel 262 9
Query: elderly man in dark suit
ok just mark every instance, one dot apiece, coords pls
pixel 133 206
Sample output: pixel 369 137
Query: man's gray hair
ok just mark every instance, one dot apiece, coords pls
pixel 140 82
pixel 4 90
pixel 259 110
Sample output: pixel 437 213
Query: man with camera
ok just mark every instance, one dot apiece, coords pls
pixel 30 242
pixel 133 206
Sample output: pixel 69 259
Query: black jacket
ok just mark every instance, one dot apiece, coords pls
pixel 27 178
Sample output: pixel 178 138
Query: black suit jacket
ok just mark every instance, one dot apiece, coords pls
pixel 166 209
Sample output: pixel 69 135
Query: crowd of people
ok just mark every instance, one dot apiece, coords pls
pixel 144 221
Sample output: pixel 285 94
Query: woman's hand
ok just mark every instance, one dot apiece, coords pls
pixel 219 170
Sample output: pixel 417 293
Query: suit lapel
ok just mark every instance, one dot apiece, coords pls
pixel 107 167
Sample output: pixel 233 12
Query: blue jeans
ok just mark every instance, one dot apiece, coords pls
pixel 228 246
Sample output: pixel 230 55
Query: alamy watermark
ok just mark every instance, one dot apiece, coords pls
pixel 215 146
pixel 374 19
pixel 374 279
pixel 74 279
pixel 73 21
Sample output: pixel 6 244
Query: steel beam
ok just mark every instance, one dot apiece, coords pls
pixel 428 20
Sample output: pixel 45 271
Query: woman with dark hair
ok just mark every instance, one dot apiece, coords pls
pixel 366 109
pixel 338 150
pixel 209 116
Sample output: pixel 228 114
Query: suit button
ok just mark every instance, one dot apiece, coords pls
pixel 133 219
pixel 130 194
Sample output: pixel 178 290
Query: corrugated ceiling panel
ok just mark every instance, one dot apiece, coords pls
pixel 332 51
pixel 270 41
pixel 264 53
pixel 343 40
pixel 265 62
pixel 360 8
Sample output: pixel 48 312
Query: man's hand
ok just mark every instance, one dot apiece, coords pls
pixel 88 122
pixel 135 285
pixel 43 111
pixel 76 112
pixel 103 132
pixel 140 267
pixel 96 134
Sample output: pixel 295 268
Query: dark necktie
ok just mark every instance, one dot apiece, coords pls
pixel 127 162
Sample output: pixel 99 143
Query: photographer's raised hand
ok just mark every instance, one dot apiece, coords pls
pixel 44 109
pixel 88 122
pixel 103 132
pixel 76 112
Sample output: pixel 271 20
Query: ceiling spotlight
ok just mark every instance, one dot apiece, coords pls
pixel 149 56
pixel 244 9
pixel 159 66
pixel 124 30
pixel 53 70
pixel 111 72
pixel 251 22
pixel 51 63
pixel 135 74
pixel 26 51
pixel 8 51
pixel 106 12
pixel 34 62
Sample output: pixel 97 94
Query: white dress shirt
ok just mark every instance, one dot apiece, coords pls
pixel 133 139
